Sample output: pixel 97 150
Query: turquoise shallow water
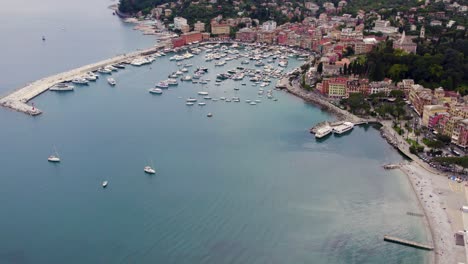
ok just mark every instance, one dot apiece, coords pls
pixel 249 185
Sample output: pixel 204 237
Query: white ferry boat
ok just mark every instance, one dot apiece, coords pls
pixel 323 131
pixel 346 126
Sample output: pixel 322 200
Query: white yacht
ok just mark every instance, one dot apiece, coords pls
pixel 189 103
pixel 202 93
pixel 172 82
pixel 346 126
pixel 62 87
pixel 220 63
pixel 149 170
pixel 190 99
pixel 111 81
pixel 104 184
pixel 54 158
pixel 187 78
pixel 104 71
pixel 201 104
pixel 164 85
pixel 91 76
pixel 323 131
pixel 110 67
pixel 80 81
pixel 155 91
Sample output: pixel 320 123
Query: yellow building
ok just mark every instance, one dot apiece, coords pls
pixel 199 26
pixel 450 125
pixel 430 110
pixel 337 89
pixel 220 29
pixel 459 110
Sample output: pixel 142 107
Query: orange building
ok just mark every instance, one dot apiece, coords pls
pixel 191 37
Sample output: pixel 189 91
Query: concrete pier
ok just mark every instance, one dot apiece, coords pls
pixel 17 100
pixel 407 242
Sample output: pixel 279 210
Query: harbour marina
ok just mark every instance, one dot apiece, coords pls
pixel 18 99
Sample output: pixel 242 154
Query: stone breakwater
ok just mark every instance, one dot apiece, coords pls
pixel 17 100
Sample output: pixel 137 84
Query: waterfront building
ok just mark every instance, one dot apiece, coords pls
pixel 334 87
pixel 199 26
pixel 246 35
pixel 282 38
pixel 460 133
pixel 430 111
pixel 185 28
pixel 419 97
pixel 357 86
pixel 450 125
pixel 191 37
pixel 265 36
pixel 220 28
pixel 269 25
pixel 179 23
pixel 178 42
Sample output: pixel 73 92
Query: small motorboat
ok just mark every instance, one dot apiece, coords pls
pixel 104 184
pixel 54 157
pixel 155 91
pixel 149 170
pixel 209 115
pixel 111 81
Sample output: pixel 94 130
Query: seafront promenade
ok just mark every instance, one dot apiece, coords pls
pixel 17 99
pixel 438 204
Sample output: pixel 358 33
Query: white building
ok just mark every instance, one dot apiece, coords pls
pixel 180 23
pixel 269 25
pixel 384 27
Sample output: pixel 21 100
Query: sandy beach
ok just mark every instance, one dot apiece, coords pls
pixel 439 198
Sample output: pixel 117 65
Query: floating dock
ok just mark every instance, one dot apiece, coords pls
pixel 407 243
pixel 17 100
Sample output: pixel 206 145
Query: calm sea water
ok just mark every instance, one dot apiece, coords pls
pixel 249 185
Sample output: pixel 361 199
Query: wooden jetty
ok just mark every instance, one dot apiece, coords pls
pixel 407 242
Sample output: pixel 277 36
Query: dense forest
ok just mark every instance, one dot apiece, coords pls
pixel 435 64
